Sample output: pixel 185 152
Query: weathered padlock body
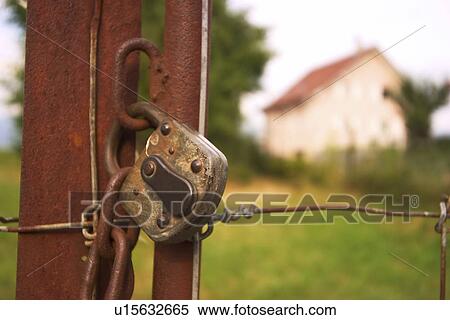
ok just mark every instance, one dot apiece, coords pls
pixel 185 154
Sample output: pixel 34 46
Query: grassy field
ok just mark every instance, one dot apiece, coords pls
pixel 9 204
pixel 337 261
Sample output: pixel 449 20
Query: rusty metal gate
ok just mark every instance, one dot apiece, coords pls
pixel 73 99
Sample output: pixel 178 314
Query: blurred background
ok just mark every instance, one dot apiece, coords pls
pixel 305 97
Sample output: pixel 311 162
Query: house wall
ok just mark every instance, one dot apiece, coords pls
pixel 351 112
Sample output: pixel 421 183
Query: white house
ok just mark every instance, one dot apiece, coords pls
pixel 338 106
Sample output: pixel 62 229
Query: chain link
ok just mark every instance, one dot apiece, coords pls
pixel 112 242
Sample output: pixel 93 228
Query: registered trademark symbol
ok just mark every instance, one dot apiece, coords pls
pixel 414 201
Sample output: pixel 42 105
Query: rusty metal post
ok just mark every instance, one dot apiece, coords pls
pixel 173 264
pixel 55 157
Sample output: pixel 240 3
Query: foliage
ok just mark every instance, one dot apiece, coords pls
pixel 422 170
pixel 15 86
pixel 313 258
pixel 18 12
pixel 238 57
pixel 419 99
pixel 15 99
pixel 238 261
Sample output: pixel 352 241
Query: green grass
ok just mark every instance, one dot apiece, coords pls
pixel 336 261
pixel 9 205
pixel 326 262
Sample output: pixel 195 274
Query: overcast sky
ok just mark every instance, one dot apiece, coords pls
pixel 306 34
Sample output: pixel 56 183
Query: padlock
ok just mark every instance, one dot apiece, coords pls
pixel 176 183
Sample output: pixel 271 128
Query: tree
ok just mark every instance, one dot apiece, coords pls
pixel 15 86
pixel 238 57
pixel 418 100
pixel 18 11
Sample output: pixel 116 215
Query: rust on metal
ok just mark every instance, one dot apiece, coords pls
pixel 146 191
pixel 120 268
pixel 89 277
pixel 128 47
pixel 180 96
pixel 55 156
pixel 114 244
pixel 103 238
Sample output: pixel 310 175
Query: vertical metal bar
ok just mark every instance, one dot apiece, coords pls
pixel 204 68
pixel 442 229
pixel 443 262
pixel 174 264
pixel 55 156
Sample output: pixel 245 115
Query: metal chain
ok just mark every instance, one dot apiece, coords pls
pixel 126 119
pixel 111 243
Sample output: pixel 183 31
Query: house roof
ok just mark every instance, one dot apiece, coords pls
pixel 317 79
